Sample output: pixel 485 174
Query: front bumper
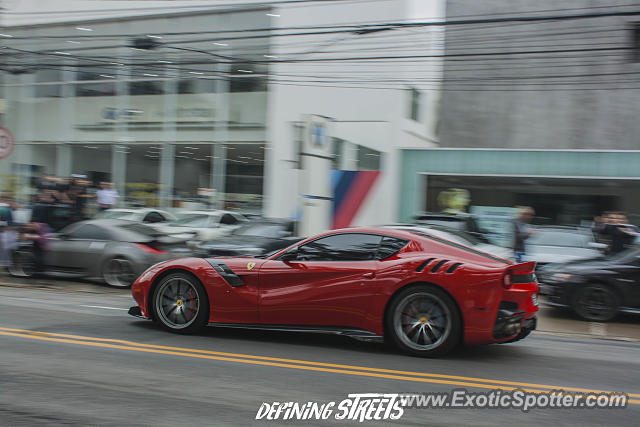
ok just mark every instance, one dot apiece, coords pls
pixel 136 312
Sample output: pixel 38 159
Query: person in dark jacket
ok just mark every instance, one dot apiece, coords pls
pixel 521 231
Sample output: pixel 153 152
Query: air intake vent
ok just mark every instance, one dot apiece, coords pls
pixel 438 265
pixel 424 264
pixel 453 267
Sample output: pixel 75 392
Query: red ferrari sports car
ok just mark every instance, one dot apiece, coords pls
pixel 422 293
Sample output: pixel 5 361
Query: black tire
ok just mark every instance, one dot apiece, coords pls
pixel 119 272
pixel 23 264
pixel 595 302
pixel 180 303
pixel 423 321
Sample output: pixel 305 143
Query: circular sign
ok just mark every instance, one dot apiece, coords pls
pixel 6 143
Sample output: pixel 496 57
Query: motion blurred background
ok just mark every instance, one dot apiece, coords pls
pixel 326 113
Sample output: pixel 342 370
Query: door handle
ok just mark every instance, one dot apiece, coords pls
pixel 369 275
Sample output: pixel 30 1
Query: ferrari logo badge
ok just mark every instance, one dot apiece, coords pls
pixel 250 265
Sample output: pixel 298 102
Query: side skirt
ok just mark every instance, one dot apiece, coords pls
pixel 358 334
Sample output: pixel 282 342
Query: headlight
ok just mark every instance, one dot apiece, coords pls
pixel 561 277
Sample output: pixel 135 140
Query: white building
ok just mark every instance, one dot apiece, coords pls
pixel 223 102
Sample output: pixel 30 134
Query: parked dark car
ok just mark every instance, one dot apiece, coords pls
pixel 114 250
pixel 598 289
pixel 255 239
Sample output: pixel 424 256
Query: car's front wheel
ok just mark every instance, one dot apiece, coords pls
pixel 596 303
pixel 423 321
pixel 180 303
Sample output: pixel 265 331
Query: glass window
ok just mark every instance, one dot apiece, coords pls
pixel 368 159
pixel 106 87
pixel 341 247
pixel 153 217
pixel 89 232
pixel 142 174
pixel 247 78
pixel 228 219
pixel 244 176
pixel 192 163
pixel 389 246
pixel 192 220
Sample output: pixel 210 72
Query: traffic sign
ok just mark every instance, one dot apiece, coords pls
pixel 6 142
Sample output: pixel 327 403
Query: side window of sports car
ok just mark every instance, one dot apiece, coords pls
pixel 389 246
pixel 89 232
pixel 341 247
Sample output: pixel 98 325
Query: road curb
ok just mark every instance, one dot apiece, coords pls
pixel 583 335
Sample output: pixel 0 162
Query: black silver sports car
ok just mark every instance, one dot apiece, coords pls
pixel 114 250
pixel 598 289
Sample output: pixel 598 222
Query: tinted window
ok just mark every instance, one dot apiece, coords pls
pixel 228 219
pixel 89 232
pixel 341 247
pixel 153 217
pixel 389 246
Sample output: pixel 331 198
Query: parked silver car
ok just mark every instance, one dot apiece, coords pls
pixel 117 251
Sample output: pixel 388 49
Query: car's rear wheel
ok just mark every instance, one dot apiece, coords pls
pixel 596 303
pixel 423 321
pixel 119 272
pixel 180 303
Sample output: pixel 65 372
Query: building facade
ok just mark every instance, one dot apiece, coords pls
pixel 536 112
pixel 216 113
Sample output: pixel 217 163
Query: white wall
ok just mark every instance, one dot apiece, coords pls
pixel 375 118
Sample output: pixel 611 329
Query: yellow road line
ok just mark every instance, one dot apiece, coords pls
pixel 42 336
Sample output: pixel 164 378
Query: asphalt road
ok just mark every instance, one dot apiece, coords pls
pixel 77 358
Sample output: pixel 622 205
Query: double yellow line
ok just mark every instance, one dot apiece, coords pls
pixel 420 377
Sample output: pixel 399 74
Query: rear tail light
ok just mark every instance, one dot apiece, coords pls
pixel 149 249
pixel 507 280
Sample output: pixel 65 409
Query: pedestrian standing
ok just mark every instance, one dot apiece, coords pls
pixel 521 231
pixel 107 196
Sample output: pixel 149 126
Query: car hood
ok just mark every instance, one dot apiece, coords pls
pixel 579 266
pixel 559 254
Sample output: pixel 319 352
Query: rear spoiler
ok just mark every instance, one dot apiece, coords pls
pixel 519 274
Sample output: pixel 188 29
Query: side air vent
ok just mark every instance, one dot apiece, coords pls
pixel 453 267
pixel 438 265
pixel 424 264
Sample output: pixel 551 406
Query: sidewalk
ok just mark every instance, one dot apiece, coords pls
pixel 551 320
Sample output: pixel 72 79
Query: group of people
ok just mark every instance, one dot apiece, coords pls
pixel 74 198
pixel 613 229
pixel 56 203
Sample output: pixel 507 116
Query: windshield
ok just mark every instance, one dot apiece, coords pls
pixel 261 230
pixel 570 239
pixel 191 220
